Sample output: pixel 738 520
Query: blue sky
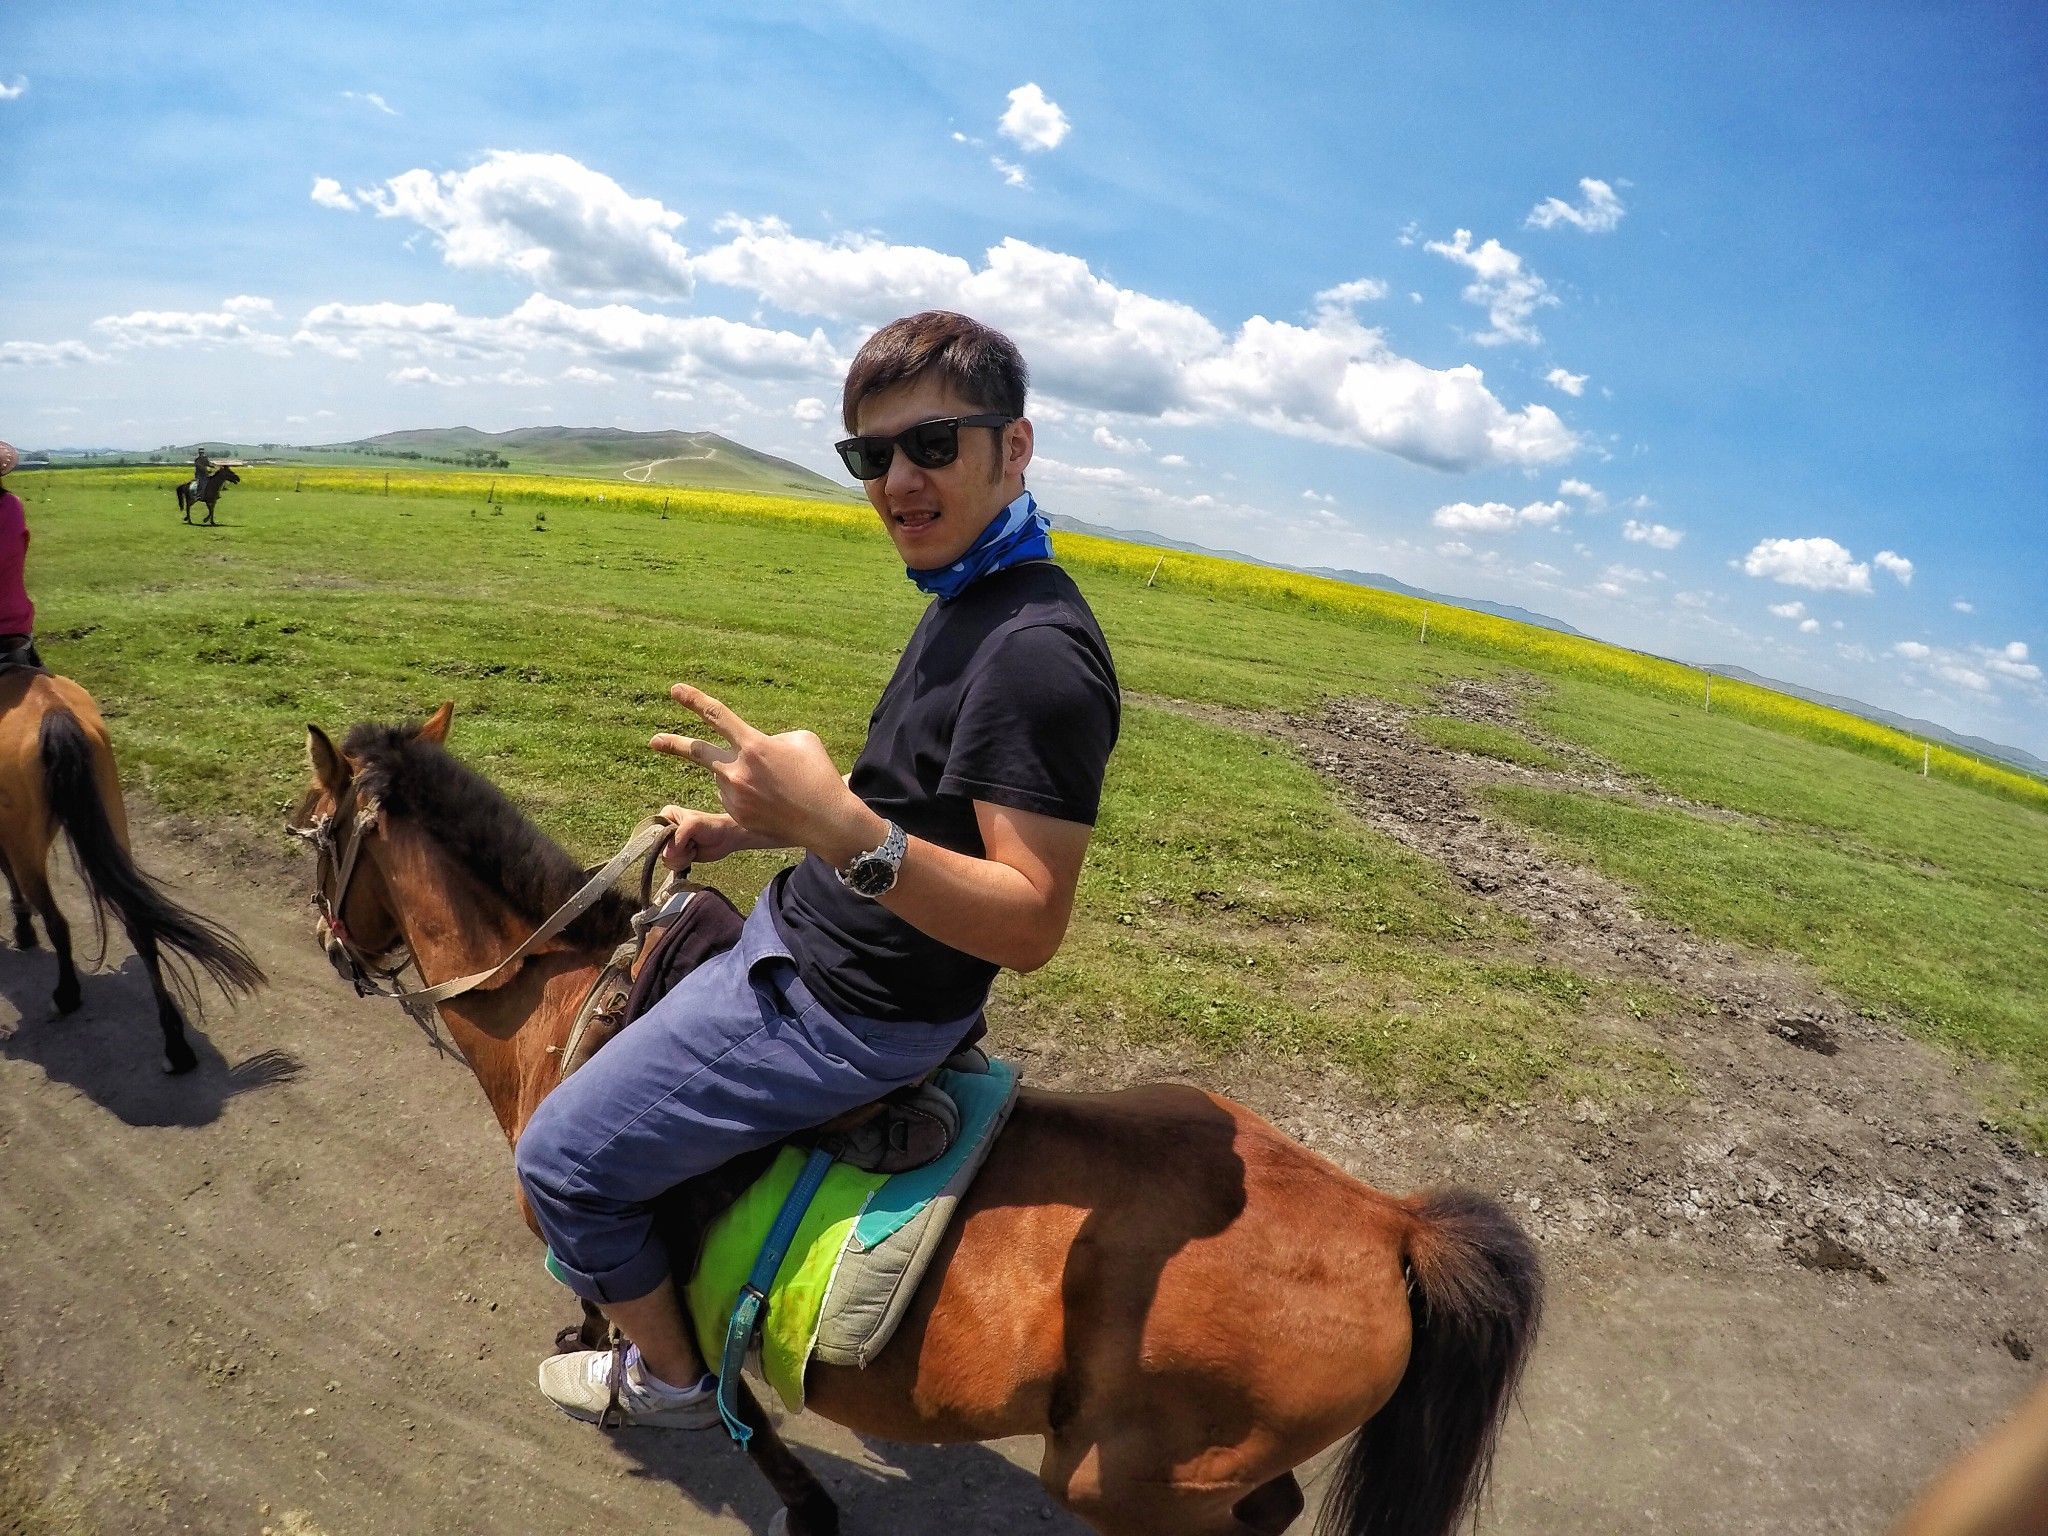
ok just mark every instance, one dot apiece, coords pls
pixel 1717 334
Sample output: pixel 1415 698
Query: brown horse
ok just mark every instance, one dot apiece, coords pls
pixel 1183 1303
pixel 57 770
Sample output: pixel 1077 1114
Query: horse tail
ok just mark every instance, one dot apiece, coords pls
pixel 72 788
pixel 1475 1297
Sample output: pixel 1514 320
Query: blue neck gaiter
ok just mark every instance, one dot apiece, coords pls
pixel 1017 533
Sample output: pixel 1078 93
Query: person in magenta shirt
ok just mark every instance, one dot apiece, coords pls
pixel 17 613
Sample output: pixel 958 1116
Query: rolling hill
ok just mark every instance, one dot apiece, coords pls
pixel 700 459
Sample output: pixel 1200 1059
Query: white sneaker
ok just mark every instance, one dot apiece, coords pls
pixel 580 1384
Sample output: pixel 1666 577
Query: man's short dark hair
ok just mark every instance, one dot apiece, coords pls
pixel 978 362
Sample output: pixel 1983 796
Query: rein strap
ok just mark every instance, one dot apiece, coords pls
pixel 649 835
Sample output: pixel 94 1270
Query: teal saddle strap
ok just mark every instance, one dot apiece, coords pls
pixel 746 1312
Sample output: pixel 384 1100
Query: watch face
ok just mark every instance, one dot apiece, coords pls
pixel 871 877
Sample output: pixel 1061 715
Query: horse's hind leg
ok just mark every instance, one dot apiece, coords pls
pixel 178 1054
pixel 24 930
pixel 36 885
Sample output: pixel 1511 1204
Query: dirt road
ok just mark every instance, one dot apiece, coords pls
pixel 289 1293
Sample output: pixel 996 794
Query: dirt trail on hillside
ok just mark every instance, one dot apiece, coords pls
pixel 290 1292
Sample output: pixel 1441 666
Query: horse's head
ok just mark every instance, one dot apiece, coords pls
pixel 229 477
pixel 357 922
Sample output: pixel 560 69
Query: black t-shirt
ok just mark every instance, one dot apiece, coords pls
pixel 1005 694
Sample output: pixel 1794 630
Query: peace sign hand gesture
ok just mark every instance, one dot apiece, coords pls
pixel 784 788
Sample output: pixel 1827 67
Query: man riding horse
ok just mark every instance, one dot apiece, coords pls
pixel 208 480
pixel 950 851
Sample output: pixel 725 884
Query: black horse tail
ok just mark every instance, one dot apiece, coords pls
pixel 1476 1298
pixel 112 879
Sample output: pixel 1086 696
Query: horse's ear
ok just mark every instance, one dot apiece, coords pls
pixel 330 768
pixel 436 728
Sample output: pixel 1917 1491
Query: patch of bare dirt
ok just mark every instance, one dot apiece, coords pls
pixel 1801 1117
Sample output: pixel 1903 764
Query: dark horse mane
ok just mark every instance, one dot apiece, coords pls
pixel 480 828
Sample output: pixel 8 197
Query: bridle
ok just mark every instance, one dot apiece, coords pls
pixel 337 840
pixel 334 867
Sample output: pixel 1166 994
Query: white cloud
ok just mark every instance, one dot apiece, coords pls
pixel 1032 121
pixel 1821 565
pixel 1173 460
pixel 174 327
pixel 328 194
pixel 670 348
pixel 1508 294
pixel 549 220
pixel 1656 535
pixel 45 354
pixel 1596 501
pixel 1360 290
pixel 578 374
pixel 1013 174
pixel 2011 662
pixel 1963 607
pixel 1497 516
pixel 1092 344
pixel 1789 610
pixel 1104 438
pixel 372 99
pixel 15 91
pixel 1320 498
pixel 2007 666
pixel 1809 626
pixel 1898 565
pixel 1457 549
pixel 1102 347
pixel 422 376
pixel 1962 676
pixel 1598 213
pixel 810 410
pixel 1573 384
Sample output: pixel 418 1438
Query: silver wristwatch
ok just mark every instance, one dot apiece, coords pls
pixel 872 873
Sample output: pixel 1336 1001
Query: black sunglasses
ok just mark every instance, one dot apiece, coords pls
pixel 929 445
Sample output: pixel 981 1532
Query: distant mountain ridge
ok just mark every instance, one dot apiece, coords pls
pixel 1355 578
pixel 648 458
pixel 2015 757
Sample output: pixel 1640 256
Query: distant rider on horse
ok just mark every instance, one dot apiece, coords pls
pixel 17 613
pixel 202 466
pixel 950 851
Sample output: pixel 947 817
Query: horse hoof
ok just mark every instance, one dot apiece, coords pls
pixel 63 1007
pixel 178 1067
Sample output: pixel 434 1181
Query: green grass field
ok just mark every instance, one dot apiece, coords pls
pixel 1231 904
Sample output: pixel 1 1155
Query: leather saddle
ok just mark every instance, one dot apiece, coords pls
pixel 22 653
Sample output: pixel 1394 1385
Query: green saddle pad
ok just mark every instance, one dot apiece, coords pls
pixel 849 1223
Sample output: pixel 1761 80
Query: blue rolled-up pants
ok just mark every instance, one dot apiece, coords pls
pixel 738 1056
